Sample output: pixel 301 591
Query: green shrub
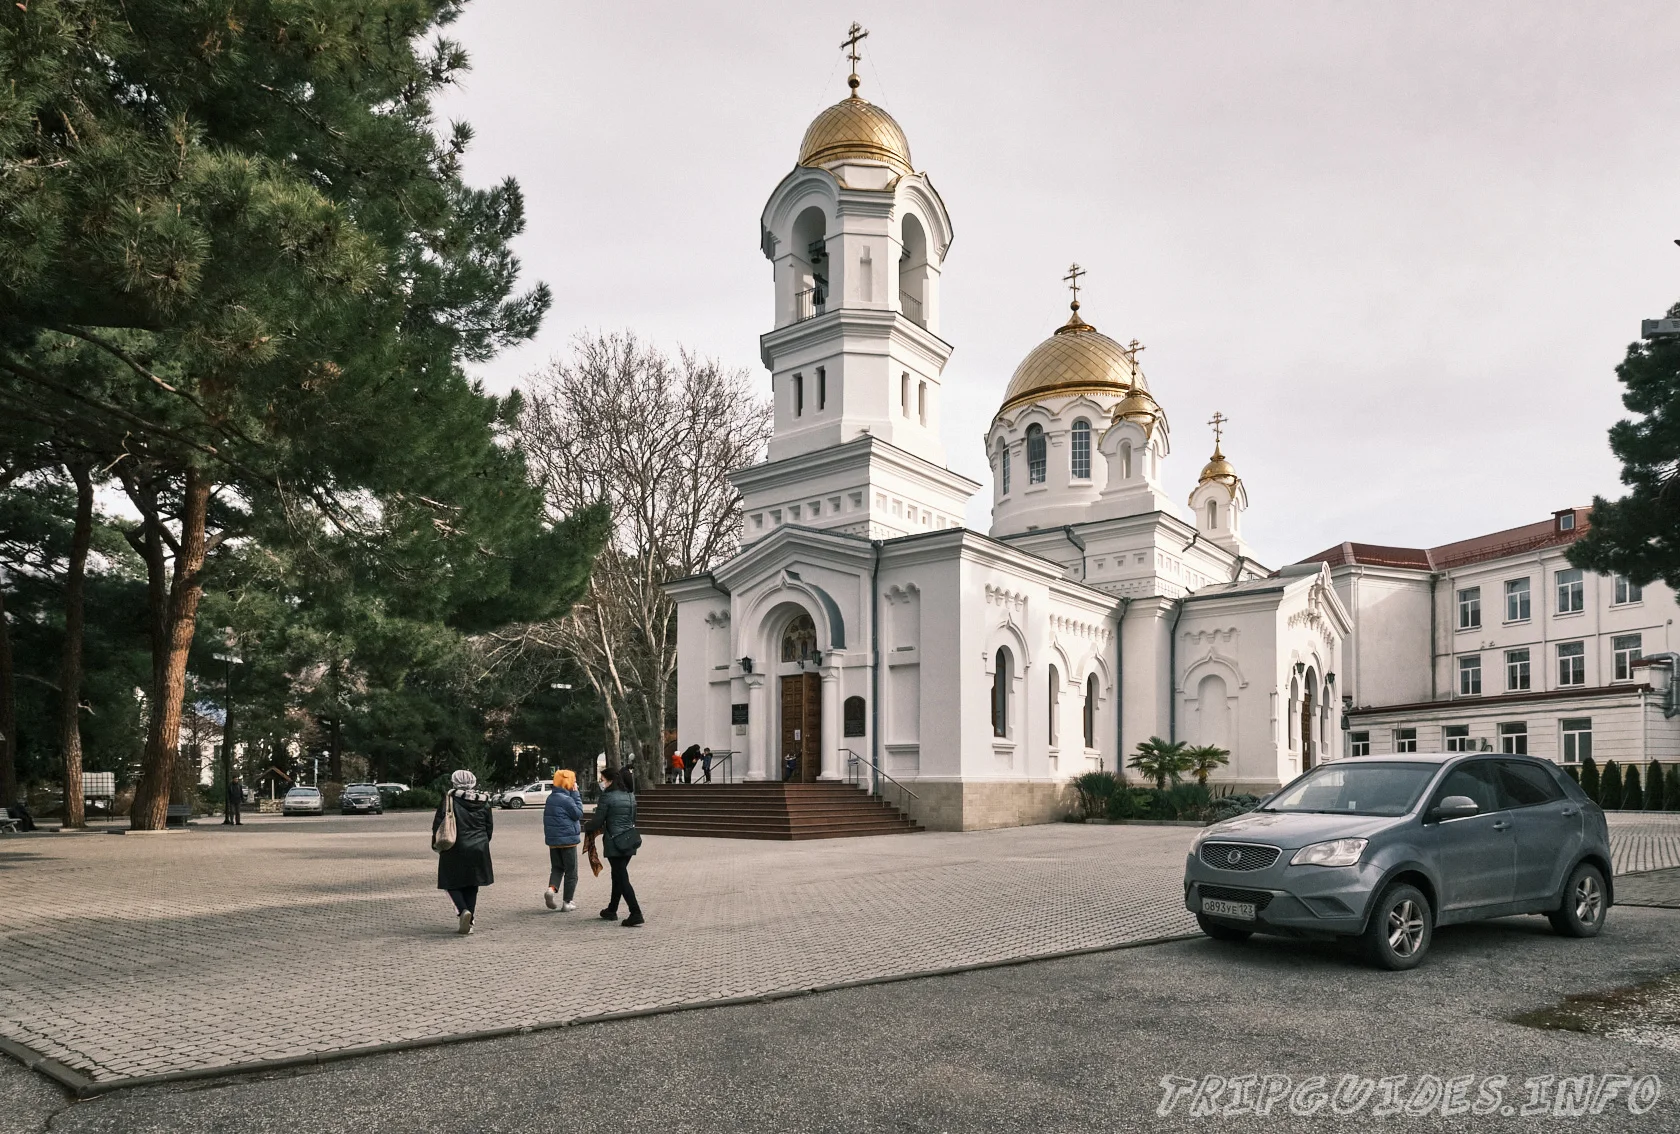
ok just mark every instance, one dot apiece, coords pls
pixel 1230 806
pixel 1610 788
pixel 1671 787
pixel 1131 803
pixel 1095 790
pixel 1633 799
pixel 1573 771
pixel 422 798
pixel 1590 782
pixel 1655 787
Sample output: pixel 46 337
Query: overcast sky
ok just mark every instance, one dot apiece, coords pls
pixel 1401 246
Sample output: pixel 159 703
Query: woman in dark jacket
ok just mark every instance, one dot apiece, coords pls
pixel 615 818
pixel 464 867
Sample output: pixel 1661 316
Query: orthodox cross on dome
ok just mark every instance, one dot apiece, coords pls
pixel 1072 280
pixel 854 35
pixel 1218 421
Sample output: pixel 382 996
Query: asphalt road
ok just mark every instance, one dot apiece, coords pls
pixel 1071 1045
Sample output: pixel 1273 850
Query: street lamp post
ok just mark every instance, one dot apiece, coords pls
pixel 229 661
pixel 564 687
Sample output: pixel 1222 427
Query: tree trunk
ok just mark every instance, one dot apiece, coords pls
pixel 70 667
pixel 8 711
pixel 178 621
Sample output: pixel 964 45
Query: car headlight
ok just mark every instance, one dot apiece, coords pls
pixel 1336 852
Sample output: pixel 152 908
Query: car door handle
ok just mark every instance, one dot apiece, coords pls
pixel 1502 825
pixel 1568 811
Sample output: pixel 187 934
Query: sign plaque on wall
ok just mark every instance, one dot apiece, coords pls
pixel 738 713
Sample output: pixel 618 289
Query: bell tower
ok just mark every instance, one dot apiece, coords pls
pixel 856 239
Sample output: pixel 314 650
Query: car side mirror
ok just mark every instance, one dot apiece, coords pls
pixel 1453 807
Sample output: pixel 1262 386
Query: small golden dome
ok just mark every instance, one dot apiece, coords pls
pixel 1218 468
pixel 1076 359
pixel 855 129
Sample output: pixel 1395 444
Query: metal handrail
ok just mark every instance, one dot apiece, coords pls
pixel 808 304
pixel 854 759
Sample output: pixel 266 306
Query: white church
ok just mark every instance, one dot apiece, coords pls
pixel 862 626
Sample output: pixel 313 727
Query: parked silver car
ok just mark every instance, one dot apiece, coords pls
pixel 1386 849
pixel 534 795
pixel 302 801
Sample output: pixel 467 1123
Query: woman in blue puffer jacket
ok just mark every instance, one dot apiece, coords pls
pixel 562 816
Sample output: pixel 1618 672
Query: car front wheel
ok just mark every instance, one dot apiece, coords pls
pixel 1585 902
pixel 516 802
pixel 1221 932
pixel 1400 931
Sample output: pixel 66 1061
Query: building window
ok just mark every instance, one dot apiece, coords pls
pixel 1577 739
pixel 1359 743
pixel 1055 704
pixel 1079 449
pixel 1513 738
pixel 1627 652
pixel 822 389
pixel 1000 693
pixel 1516 671
pixel 904 393
pixel 798 395
pixel 1572 663
pixel 1571 592
pixel 1470 676
pixel 1125 460
pixel 1091 711
pixel 1456 738
pixel 1003 465
pixel 1036 454
pixel 921 402
pixel 1566 521
pixel 1516 600
pixel 1213 515
pixel 1405 740
pixel 1470 608
pixel 1627 591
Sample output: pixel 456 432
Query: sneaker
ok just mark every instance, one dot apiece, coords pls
pixel 463 923
pixel 631 922
pixel 548 896
pixel 609 915
pixel 567 906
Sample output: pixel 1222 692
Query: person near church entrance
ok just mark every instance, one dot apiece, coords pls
pixel 706 764
pixel 790 766
pixel 674 769
pixel 690 757
pixel 562 831
pixel 235 797
pixel 465 866
pixel 615 820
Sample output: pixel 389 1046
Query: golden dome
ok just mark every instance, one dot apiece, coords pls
pixel 1218 468
pixel 855 129
pixel 1076 359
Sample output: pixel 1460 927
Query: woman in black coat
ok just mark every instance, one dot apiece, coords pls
pixel 615 821
pixel 464 867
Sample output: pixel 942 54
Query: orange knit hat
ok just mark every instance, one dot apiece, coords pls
pixel 566 778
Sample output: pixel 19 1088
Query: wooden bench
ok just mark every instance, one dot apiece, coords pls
pixel 178 813
pixel 7 823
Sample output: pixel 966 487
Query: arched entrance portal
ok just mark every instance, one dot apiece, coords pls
pixel 1308 750
pixel 800 750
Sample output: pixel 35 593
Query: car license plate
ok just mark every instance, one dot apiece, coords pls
pixel 1218 907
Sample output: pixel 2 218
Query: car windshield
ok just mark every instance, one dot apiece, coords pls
pixel 303 791
pixel 1356 788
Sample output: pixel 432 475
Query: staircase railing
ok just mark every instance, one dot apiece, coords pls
pixel 725 761
pixel 857 767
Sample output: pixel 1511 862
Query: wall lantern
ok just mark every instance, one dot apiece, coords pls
pixel 746 665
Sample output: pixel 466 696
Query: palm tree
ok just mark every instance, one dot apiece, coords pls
pixel 1161 760
pixel 1204 758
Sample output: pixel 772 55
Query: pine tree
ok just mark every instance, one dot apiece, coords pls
pixel 1633 799
pixel 1639 535
pixel 1610 789
pixel 1590 778
pixel 1656 788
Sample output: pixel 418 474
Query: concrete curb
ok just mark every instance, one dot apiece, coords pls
pixel 1147 822
pixel 83 1087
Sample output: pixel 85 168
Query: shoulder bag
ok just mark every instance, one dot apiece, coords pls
pixel 444 837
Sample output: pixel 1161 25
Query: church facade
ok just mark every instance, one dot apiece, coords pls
pixel 863 633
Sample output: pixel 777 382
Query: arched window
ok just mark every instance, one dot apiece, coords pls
pixel 1000 693
pixel 1036 454
pixel 1213 515
pixel 1125 460
pixel 1080 450
pixel 799 640
pixel 904 393
pixel 1003 465
pixel 852 717
pixel 1055 702
pixel 1091 711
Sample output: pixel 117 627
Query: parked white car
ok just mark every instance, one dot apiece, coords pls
pixel 534 794
pixel 302 801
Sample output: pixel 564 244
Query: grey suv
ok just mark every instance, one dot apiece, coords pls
pixel 1384 849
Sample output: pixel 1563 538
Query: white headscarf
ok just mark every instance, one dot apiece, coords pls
pixel 463 780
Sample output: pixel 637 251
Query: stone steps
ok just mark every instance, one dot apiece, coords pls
pixel 767 811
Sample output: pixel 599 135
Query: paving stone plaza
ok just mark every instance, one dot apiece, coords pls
pixel 139 956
